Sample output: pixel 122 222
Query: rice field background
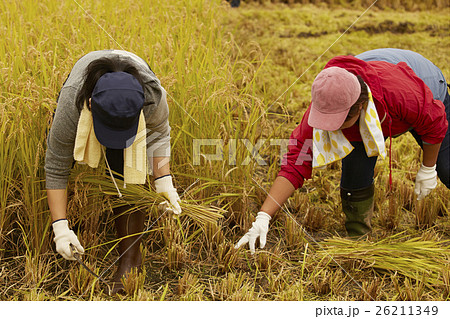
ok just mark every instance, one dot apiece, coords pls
pixel 224 69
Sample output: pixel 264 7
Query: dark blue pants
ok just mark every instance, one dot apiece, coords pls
pixel 115 161
pixel 234 3
pixel 358 169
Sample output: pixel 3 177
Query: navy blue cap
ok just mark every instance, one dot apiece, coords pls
pixel 117 101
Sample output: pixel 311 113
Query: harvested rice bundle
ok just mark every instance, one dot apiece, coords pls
pixel 415 258
pixel 143 197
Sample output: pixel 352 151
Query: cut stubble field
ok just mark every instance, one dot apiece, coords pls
pixel 232 74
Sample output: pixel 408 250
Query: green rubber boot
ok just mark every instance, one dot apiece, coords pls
pixel 358 208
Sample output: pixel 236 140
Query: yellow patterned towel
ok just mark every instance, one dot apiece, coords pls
pixel 135 156
pixel 88 149
pixel 331 146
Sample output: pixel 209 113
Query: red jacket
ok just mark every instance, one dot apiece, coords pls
pixel 403 102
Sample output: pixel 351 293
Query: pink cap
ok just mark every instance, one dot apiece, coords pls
pixel 333 92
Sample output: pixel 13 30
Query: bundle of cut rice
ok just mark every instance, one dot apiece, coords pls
pixel 419 259
pixel 143 197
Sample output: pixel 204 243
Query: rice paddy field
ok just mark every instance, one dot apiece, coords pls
pixel 232 74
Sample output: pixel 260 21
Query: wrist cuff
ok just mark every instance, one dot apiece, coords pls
pixel 263 215
pixel 58 220
pixel 164 184
pixel 428 168
pixel 162 177
pixel 60 225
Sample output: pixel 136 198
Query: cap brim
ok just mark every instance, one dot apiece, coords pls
pixel 113 138
pixel 326 121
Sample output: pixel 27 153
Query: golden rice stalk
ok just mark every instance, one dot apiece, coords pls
pixel 143 197
pixel 418 259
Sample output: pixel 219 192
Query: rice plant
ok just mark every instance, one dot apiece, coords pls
pixel 228 73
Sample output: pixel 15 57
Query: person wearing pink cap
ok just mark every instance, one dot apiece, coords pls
pixel 355 106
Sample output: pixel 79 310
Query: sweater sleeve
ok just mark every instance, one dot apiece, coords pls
pixel 416 106
pixel 158 129
pixel 61 141
pixel 297 163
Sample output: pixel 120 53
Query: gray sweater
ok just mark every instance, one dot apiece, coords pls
pixel 61 138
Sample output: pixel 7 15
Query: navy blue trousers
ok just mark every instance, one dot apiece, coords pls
pixel 234 3
pixel 358 169
pixel 115 161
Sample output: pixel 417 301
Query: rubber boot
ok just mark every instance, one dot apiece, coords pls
pixel 358 208
pixel 129 248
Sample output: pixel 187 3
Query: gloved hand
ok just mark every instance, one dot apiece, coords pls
pixel 426 181
pixel 260 228
pixel 64 237
pixel 164 186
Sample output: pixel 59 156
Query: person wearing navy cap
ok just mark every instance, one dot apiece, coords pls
pixel 115 91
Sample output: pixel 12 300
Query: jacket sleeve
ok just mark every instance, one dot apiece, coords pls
pixel 413 103
pixel 158 128
pixel 297 163
pixel 61 140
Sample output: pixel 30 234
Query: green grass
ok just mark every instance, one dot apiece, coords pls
pixel 222 69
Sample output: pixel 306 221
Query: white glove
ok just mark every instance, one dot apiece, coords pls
pixel 426 181
pixel 164 186
pixel 260 228
pixel 64 237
